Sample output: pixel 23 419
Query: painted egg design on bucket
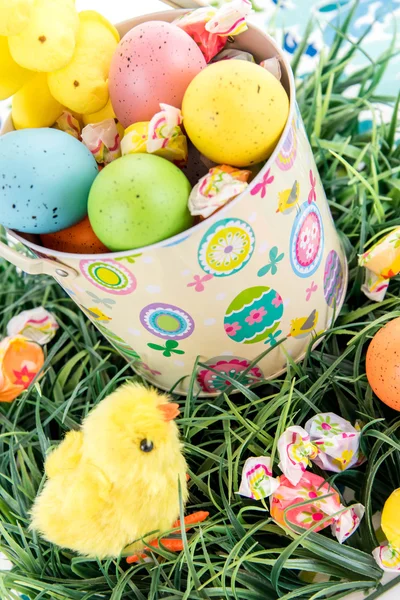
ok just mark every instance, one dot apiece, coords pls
pixel 333 279
pixel 167 321
pixel 307 240
pixel 226 247
pixel 235 368
pixel 109 275
pixel 287 155
pixel 254 316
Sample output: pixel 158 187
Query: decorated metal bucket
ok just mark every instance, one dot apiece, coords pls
pixel 268 266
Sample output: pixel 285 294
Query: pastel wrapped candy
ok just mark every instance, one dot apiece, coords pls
pixel 217 188
pixel 69 124
pixel 162 136
pixel 233 54
pixel 210 27
pixel 37 325
pixel 382 262
pixel 20 362
pixel 273 66
pixel 257 480
pixel 322 501
pixel 388 555
pixel 295 452
pixel 103 141
pixel 337 441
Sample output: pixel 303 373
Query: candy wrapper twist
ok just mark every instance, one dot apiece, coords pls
pixel 69 124
pixel 20 362
pixel 103 140
pixel 211 27
pixel 217 188
pixel 161 136
pixel 381 263
pixel 38 325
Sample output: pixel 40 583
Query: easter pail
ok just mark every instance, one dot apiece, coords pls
pixel 268 266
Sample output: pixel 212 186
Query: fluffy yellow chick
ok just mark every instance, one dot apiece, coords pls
pixel 12 76
pixel 33 105
pixel 303 326
pixel 14 15
pixel 288 199
pixel 48 41
pixel 116 480
pixel 391 519
pixel 82 85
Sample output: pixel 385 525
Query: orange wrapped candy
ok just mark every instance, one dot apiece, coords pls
pixel 20 362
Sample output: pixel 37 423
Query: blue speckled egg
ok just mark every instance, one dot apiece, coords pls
pixel 45 179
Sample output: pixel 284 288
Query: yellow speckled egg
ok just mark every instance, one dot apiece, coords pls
pixel 383 364
pixel 234 112
pixel 391 518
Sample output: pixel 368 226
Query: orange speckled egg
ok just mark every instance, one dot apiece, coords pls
pixel 383 364
pixel 78 239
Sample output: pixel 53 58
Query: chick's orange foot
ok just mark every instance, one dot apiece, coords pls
pixel 172 544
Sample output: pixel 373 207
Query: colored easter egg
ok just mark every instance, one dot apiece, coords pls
pixel 226 247
pixel 307 240
pixel 78 239
pixel 137 200
pixel 167 321
pixel 254 316
pixel 45 177
pixel 383 364
pixel 213 379
pixel 153 63
pixel 333 279
pixel 235 112
pixel 391 519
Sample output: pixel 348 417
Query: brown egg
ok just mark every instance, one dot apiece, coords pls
pixel 78 239
pixel 383 364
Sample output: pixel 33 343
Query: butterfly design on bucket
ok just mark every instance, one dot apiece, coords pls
pixel 170 348
pixel 272 266
pixel 262 186
pixel 199 282
pixel 312 196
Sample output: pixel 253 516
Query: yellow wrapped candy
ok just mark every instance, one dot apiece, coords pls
pixel 14 16
pixel 82 85
pixel 161 136
pixel 382 263
pixel 391 519
pixel 33 105
pixel 48 40
pixel 12 76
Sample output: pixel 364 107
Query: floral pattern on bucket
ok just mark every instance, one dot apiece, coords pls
pixel 213 379
pixel 109 275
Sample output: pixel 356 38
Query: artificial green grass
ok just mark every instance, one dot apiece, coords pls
pixel 239 552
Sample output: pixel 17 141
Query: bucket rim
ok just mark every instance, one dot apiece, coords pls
pixel 180 237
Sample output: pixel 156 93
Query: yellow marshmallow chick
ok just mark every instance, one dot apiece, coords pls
pixel 102 115
pixel 117 479
pixel 48 41
pixel 14 15
pixel 33 105
pixel 12 76
pixel 82 85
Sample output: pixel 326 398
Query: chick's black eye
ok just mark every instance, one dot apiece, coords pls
pixel 146 446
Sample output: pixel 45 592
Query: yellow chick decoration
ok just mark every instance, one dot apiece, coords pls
pixel 96 314
pixel 14 16
pixel 288 199
pixel 12 76
pixel 82 85
pixel 303 326
pixel 48 40
pixel 43 112
pixel 102 115
pixel 391 519
pixel 115 480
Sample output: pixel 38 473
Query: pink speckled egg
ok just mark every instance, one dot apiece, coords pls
pixel 154 62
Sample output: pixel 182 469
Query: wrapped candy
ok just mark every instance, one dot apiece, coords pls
pixel 233 54
pixel 382 262
pixel 37 325
pixel 20 362
pixel 257 480
pixel 103 140
pixel 324 502
pixel 68 123
pixel 210 27
pixel 273 66
pixel 161 136
pixel 388 555
pixel 217 188
pixel 337 441
pixel 295 452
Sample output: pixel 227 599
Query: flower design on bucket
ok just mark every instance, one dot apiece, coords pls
pixel 170 348
pixel 211 382
pixel 254 315
pixel 167 321
pixel 333 279
pixel 307 241
pixel 108 275
pixel 287 155
pixel 226 247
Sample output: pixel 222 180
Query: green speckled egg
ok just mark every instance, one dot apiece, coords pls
pixel 234 112
pixel 138 200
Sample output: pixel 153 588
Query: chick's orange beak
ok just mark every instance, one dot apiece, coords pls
pixel 169 411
